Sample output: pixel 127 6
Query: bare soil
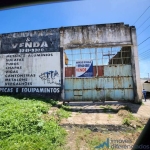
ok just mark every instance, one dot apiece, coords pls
pixel 93 123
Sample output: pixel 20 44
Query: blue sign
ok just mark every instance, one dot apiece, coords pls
pixel 84 68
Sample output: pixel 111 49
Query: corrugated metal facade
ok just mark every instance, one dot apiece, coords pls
pixel 114 83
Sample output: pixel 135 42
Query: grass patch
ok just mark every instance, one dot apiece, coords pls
pixel 127 120
pixel 22 126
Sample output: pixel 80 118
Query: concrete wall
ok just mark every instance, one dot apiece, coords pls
pixel 105 35
pixel 100 35
pixel 32 63
pixel 95 36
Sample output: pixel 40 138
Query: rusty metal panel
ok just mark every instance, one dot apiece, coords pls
pixel 69 95
pixel 109 94
pixel 112 87
pixel 119 94
pixel 77 83
pixel 100 83
pixel 128 94
pixel 99 94
pixel 89 83
pixel 118 82
pixel 117 70
pixel 78 98
pixel 69 84
pixel 77 92
pixel 128 82
pixel 87 94
pixel 108 83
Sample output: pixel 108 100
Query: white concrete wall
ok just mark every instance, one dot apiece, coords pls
pixel 95 36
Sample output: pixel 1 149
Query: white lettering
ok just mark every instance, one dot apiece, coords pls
pixel 44 44
pixel 6 90
pixel 28 44
pixel 14 45
pixel 36 44
pixel 21 45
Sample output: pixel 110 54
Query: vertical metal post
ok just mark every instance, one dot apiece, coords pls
pixel 121 57
pixel 96 62
pixel 80 54
pixel 72 62
pixel 111 53
pixel 102 55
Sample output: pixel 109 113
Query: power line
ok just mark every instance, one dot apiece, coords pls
pixel 144 30
pixel 141 15
pixel 147 56
pixel 141 57
pixel 144 52
pixel 144 58
pixel 144 41
pixel 144 47
pixel 143 23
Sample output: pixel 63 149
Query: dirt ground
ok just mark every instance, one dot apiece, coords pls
pixel 90 124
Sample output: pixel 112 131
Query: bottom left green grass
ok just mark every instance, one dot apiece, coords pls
pixel 22 126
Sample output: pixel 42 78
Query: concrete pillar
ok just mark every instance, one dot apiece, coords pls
pixel 63 66
pixel 135 67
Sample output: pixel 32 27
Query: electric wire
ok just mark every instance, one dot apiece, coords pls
pixel 144 47
pixel 143 30
pixel 146 55
pixel 144 58
pixel 144 41
pixel 143 23
pixel 141 15
pixel 144 52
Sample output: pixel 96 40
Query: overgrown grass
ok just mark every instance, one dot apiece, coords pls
pixel 22 126
pixel 127 120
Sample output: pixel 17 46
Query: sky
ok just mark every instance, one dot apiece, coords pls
pixel 85 12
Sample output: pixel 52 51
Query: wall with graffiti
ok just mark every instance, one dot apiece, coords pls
pixel 30 62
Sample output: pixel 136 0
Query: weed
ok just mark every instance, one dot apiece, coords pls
pixel 126 121
pixel 22 127
pixel 61 113
pixel 110 116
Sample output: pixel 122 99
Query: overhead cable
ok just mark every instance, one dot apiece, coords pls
pixel 144 52
pixel 144 30
pixel 143 23
pixel 141 15
pixel 144 41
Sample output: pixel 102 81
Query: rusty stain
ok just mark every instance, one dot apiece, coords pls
pixel 98 89
pixel 113 86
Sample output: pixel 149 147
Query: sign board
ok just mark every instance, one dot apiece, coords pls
pixel 31 64
pixel 84 68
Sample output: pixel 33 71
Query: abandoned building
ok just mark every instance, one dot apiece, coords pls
pixel 86 63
